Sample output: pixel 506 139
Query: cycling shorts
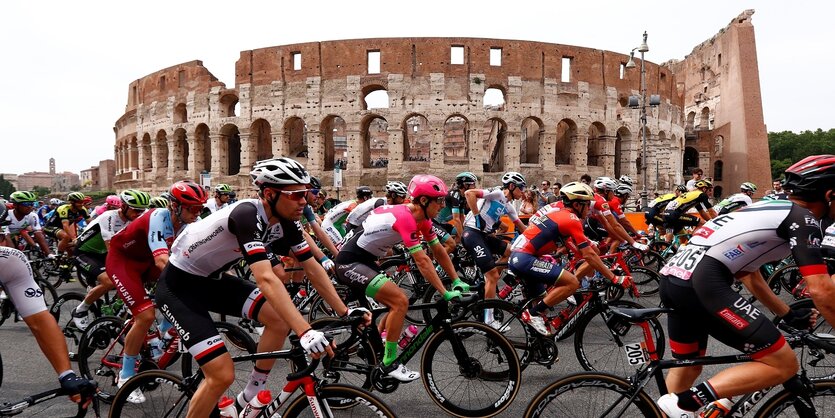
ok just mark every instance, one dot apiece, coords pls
pixel 442 231
pixel 186 301
pixel 91 265
pixel 652 217
pixel 129 275
pixel 52 231
pixel 594 230
pixel 362 278
pixel 675 222
pixel 537 275
pixel 707 305
pixel 16 277
pixel 482 247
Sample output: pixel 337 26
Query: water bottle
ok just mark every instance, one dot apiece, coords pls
pixel 299 296
pixel 155 345
pixel 169 341
pixel 408 334
pixel 256 404
pixel 503 292
pixel 227 407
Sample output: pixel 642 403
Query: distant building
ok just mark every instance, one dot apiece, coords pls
pixel 11 178
pixel 99 177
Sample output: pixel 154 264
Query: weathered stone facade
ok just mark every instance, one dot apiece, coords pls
pixel 564 113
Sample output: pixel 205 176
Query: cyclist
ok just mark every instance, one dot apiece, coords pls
pixel 137 256
pixel 675 214
pixel 697 284
pixel 602 222
pixel 93 245
pixel 545 234
pixel 356 263
pixel 738 200
pixel 655 213
pixel 486 209
pixel 158 202
pixel 616 203
pixel 456 205
pixel 396 193
pixel 17 278
pixel 110 202
pixel 311 221
pixel 193 283
pixel 63 224
pixel 220 201
pixel 334 221
pixel 24 220
pixel 44 210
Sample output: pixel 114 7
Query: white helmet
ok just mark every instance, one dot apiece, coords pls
pixel 513 177
pixel 626 179
pixel 397 188
pixel 623 189
pixel 606 184
pixel 278 172
pixel 54 201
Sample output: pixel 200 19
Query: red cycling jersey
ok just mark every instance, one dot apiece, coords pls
pixel 548 232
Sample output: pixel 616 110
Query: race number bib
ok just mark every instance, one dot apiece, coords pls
pixel 683 263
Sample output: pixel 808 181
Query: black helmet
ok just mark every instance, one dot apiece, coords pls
pixel 315 183
pixel 811 177
pixel 364 192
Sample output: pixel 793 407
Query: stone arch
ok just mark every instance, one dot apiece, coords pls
pixel 532 134
pixel 494 132
pixel 495 97
pixel 230 145
pixel 202 149
pixel 379 97
pixel 718 166
pixel 566 135
pixel 295 136
pixel 597 144
pixel 718 145
pixel 456 139
pixel 334 132
pixel 704 122
pixel 133 155
pixel 260 138
pixel 417 141
pixel 161 160
pixel 689 126
pixel 180 113
pixel 180 150
pixel 623 141
pixel 147 157
pixel 228 104
pixel 375 140
pixel 717 192
pixel 691 159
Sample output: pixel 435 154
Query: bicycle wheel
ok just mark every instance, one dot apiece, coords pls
pixel 604 348
pixel 165 396
pixel 590 395
pixel 513 328
pixel 238 342
pixel 822 393
pixel 650 259
pixel 351 363
pixel 341 401
pixel 319 308
pixel 817 363
pixel 100 354
pixel 62 310
pixel 784 281
pixel 49 293
pixel 483 383
pixel 645 279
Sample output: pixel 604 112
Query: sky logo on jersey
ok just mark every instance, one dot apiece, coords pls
pixel 254 247
pixel 703 232
pixel 734 253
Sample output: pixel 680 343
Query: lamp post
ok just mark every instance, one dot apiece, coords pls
pixel 633 102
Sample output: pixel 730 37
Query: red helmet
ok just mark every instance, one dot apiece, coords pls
pixel 188 193
pixel 426 185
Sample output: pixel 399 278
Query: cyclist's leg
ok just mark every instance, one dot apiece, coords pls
pixel 127 276
pixel 685 331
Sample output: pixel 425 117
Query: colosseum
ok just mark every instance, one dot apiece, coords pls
pixel 385 109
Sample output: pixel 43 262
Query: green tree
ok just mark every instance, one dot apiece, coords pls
pixel 787 147
pixel 6 187
pixel 41 191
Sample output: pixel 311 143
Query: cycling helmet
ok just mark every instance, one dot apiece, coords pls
pixel 626 179
pixel 23 196
pixel 623 189
pixel 811 177
pixel 681 188
pixel 159 202
pixel 113 200
pixel 748 187
pixel 364 192
pixel 223 188
pixel 278 172
pixel 512 177
pixel 703 184
pixel 188 193
pixel 315 183
pixel 426 185
pixel 135 199
pixel 166 196
pixel 576 191
pixel 54 201
pixel 606 184
pixel 397 188
pixel 76 197
pixel 465 178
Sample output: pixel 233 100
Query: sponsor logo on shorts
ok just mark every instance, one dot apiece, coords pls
pixel 33 292
pixel 735 320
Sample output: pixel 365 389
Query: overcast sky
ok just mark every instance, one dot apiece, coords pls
pixel 66 66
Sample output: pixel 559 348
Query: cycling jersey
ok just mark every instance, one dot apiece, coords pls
pixel 212 205
pixel 732 203
pixel 386 226
pixel 16 277
pixel 25 222
pixel 654 215
pixel 695 199
pixel 615 207
pixel 828 245
pixel 65 212
pixel 600 207
pixel 361 212
pixel 307 215
pixel 455 204
pixel 492 205
pixel 545 234
pixel 551 207
pixel 92 239
pixel 334 221
pixel 212 245
pixel 43 211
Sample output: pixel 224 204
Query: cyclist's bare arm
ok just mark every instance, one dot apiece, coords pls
pixel 319 279
pixel 822 289
pixel 593 261
pixel 617 231
pixel 755 283
pixel 427 269
pixel 277 296
pixel 323 238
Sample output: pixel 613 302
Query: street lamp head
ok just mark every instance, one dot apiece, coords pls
pixel 631 62
pixel 643 47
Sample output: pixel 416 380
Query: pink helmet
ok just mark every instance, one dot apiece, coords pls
pixel 114 201
pixel 426 185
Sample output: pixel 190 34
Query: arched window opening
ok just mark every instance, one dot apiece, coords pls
pixel 295 133
pixel 418 139
pixel 717 170
pixel 597 144
pixel 494 132
pixel 691 120
pixel 260 133
pixel 180 113
pixel 494 99
pixel 376 142
pixel 147 157
pixel 718 145
pixel 202 148
pixel 231 144
pixel 704 123
pixel 623 140
pixel 717 192
pixel 162 151
pixel 180 150
pixel 456 136
pixel 133 155
pixel 566 134
pixel 532 131
pixel 336 142
pixel 691 160
pixel 375 97
pixel 228 106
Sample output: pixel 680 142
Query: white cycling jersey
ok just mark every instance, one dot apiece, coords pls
pixel 24 222
pixel 212 205
pixel 361 212
pixel 491 206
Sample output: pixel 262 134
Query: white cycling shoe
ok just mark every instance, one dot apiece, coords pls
pixel 403 374
pixel 136 396
pixel 669 404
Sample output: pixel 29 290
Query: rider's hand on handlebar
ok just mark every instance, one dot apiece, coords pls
pixel 460 285
pixel 623 281
pixel 364 313
pixel 640 247
pixel 315 343
pixel 78 388
pixel 451 294
pixel 800 318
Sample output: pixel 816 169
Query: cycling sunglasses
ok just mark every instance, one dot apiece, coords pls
pixel 193 209
pixel 27 204
pixel 298 195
